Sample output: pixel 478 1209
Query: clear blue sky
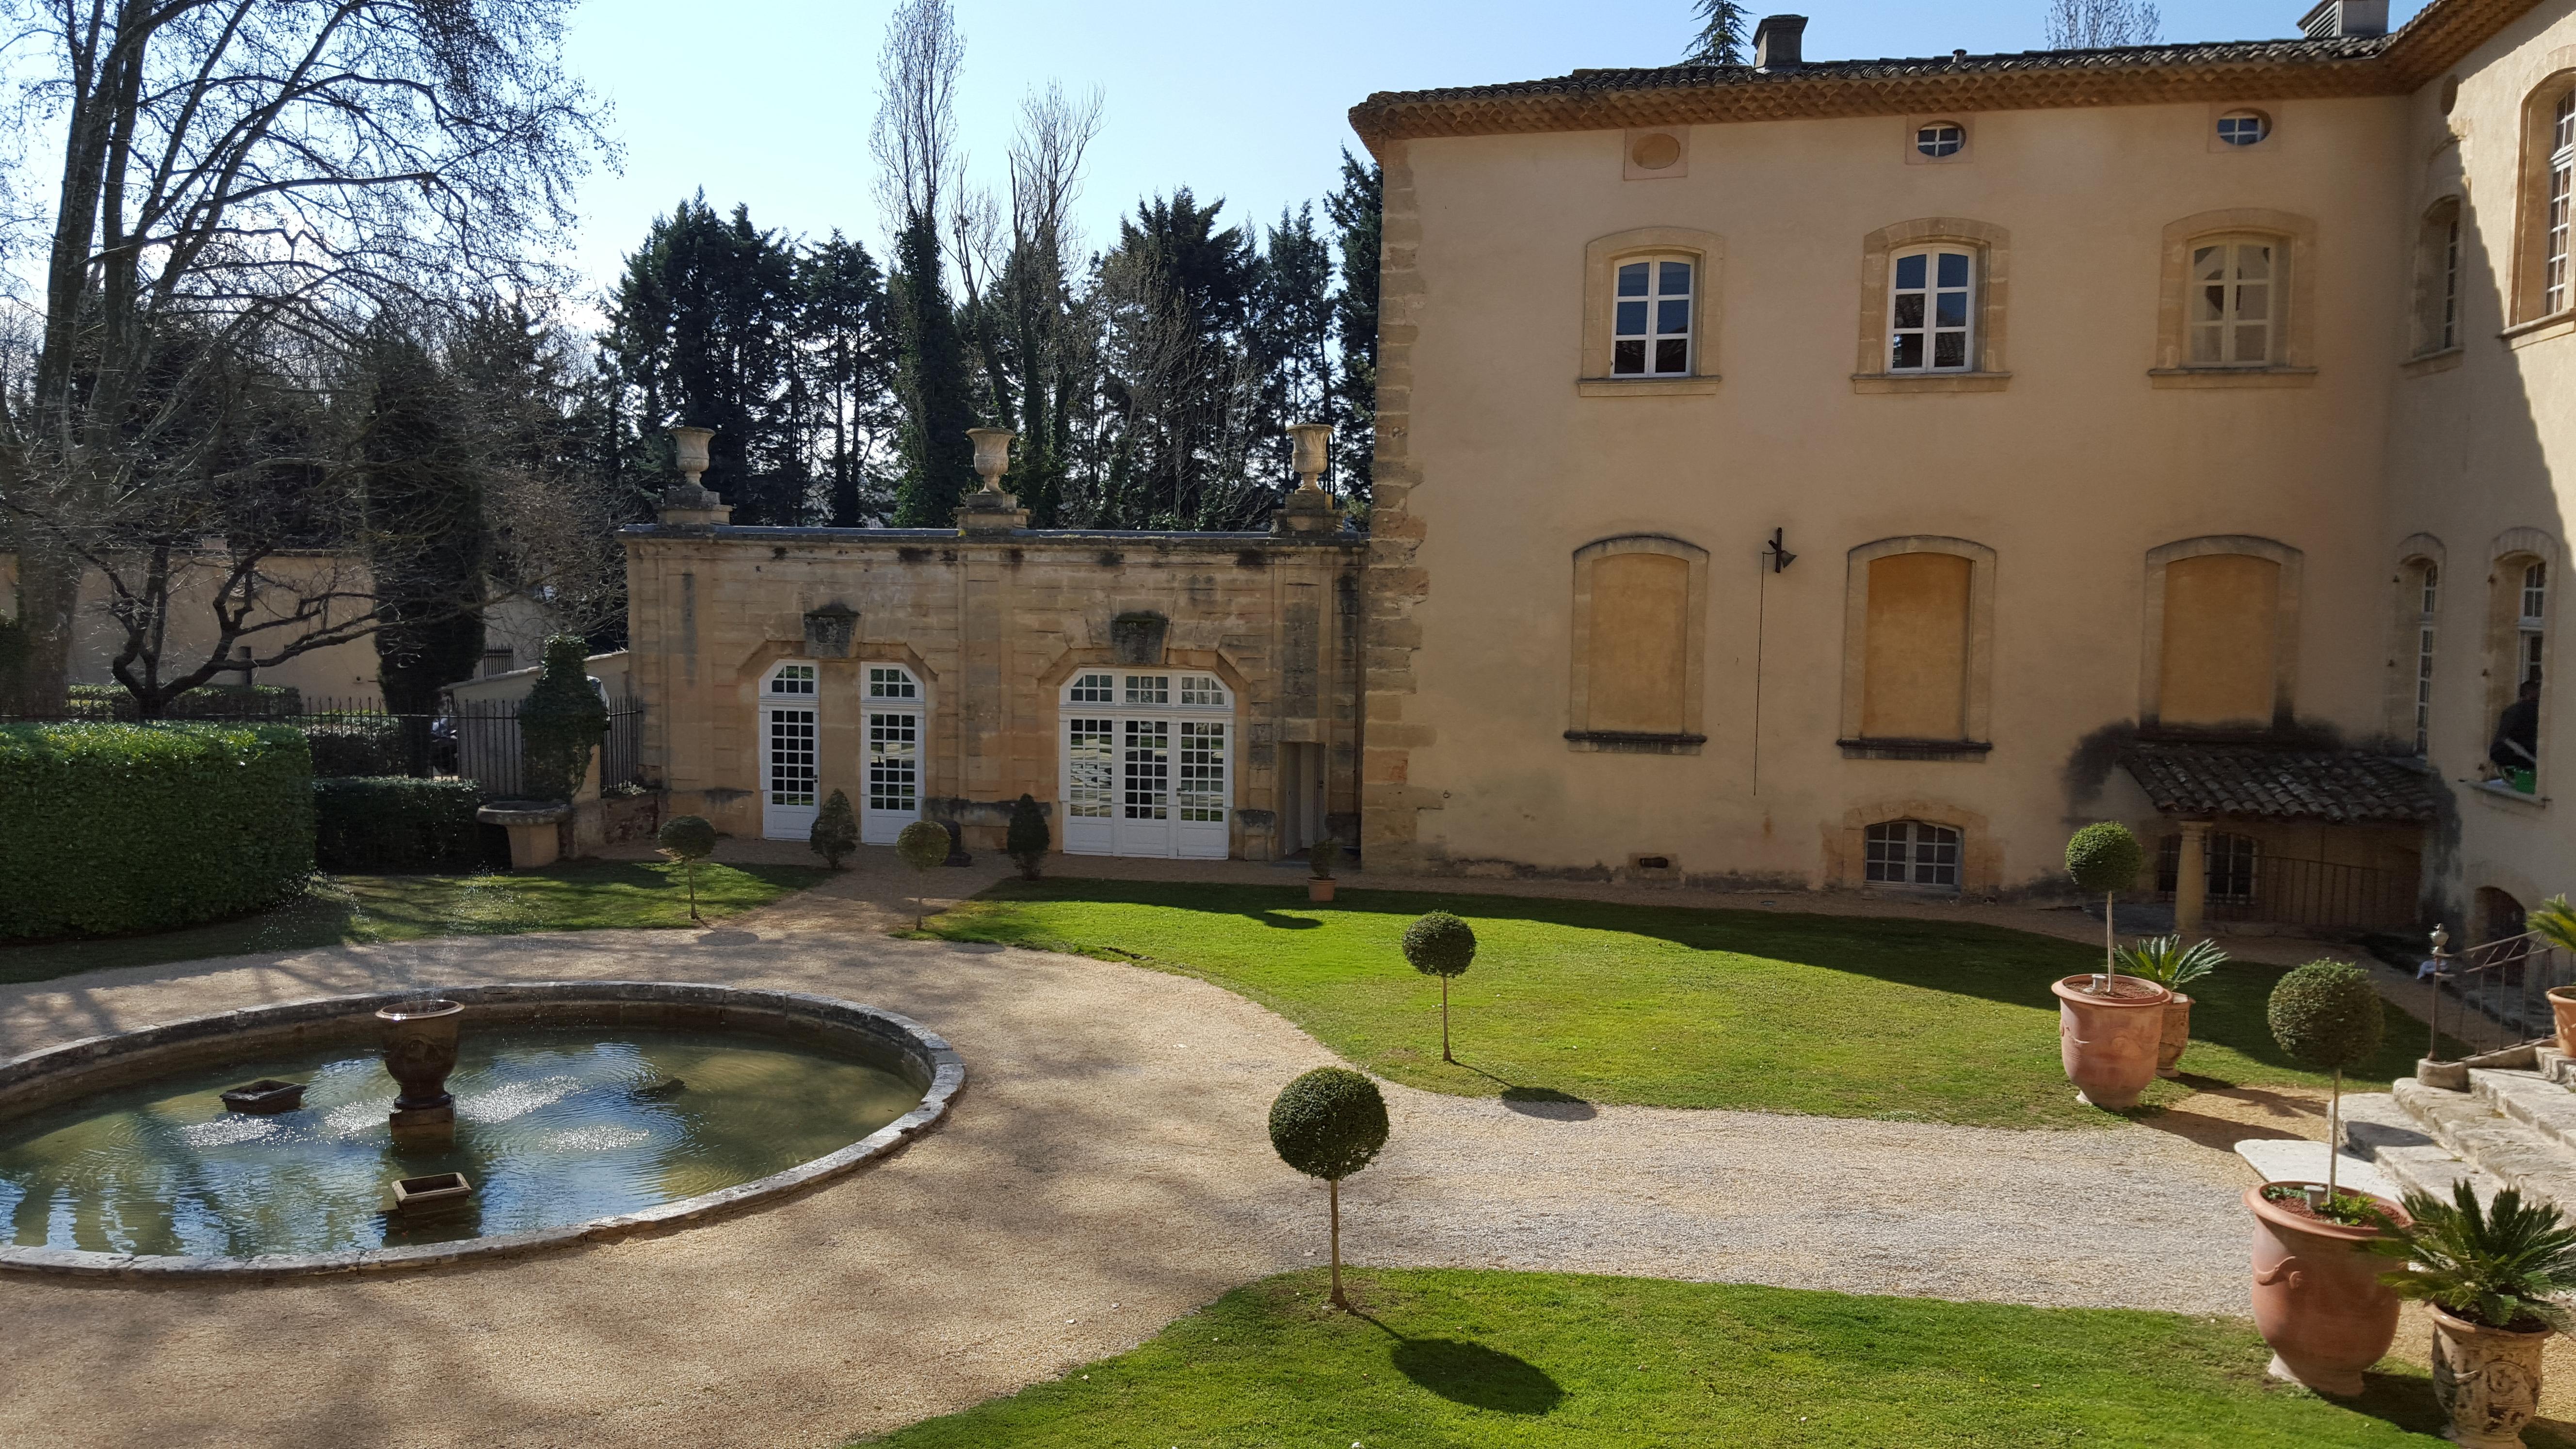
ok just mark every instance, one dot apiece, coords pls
pixel 768 102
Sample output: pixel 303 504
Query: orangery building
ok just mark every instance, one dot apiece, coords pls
pixel 1808 474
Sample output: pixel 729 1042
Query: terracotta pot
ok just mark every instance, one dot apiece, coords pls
pixel 2562 1006
pixel 2109 1042
pixel 2317 1295
pixel 2177 1036
pixel 2487 1379
pixel 1319 890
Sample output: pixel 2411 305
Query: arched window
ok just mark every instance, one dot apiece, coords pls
pixel 2437 279
pixel 1932 307
pixel 2222 633
pixel 893 722
pixel 789 763
pixel 2547 193
pixel 2237 289
pixel 1912 853
pixel 2235 302
pixel 2518 655
pixel 1650 312
pixel 2423 588
pixel 1148 764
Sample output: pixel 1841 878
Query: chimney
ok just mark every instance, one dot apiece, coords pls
pixel 1775 39
pixel 2334 18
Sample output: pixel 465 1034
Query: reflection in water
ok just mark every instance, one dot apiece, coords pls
pixel 554 1126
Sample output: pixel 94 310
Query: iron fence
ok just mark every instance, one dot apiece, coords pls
pixel 2288 891
pixel 485 736
pixel 2497 994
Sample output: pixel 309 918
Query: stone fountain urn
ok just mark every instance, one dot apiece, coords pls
pixel 420 1050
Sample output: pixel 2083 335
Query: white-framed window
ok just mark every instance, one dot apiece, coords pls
pixel 2448 332
pixel 1931 307
pixel 2243 128
pixel 790 763
pixel 791 757
pixel 1940 138
pixel 1912 853
pixel 1148 764
pixel 892 733
pixel 2234 302
pixel 892 682
pixel 2429 583
pixel 1650 331
pixel 792 679
pixel 2531 627
pixel 2562 195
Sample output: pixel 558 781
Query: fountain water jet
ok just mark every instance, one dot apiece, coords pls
pixel 420 1050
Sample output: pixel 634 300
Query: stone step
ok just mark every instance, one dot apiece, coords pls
pixel 2506 1149
pixel 2532 1100
pixel 2387 1136
pixel 2556 1065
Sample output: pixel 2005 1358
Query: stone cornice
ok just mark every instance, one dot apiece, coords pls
pixel 2434 40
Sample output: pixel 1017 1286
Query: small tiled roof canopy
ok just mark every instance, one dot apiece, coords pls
pixel 2343 787
pixel 1676 95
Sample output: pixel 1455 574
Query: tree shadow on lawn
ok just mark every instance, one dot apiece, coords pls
pixel 1961 958
pixel 1542 1102
pixel 2405 1401
pixel 1470 1373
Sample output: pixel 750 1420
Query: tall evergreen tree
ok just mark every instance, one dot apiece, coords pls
pixel 1354 207
pixel 1722 34
pixel 1292 332
pixel 427 545
pixel 850 356
pixel 934 383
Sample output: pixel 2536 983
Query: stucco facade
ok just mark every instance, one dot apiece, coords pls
pixel 2151 547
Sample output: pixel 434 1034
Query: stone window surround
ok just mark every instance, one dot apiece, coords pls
pixel 2285 646
pixel 2406 617
pixel 2502 653
pixel 1847 849
pixel 1579 734
pixel 1977 705
pixel 1992 247
pixel 2298 234
pixel 2531 194
pixel 1601 258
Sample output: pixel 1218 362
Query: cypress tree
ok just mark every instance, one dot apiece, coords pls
pixel 1358 234
pixel 939 459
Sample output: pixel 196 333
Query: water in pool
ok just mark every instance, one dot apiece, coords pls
pixel 554 1126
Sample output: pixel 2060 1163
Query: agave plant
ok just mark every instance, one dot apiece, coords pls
pixel 2504 1266
pixel 2554 922
pixel 2166 961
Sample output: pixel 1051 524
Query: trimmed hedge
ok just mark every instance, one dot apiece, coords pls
pixel 206 701
pixel 357 745
pixel 136 827
pixel 398 823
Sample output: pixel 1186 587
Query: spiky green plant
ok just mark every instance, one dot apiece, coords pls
pixel 2504 1266
pixel 2166 961
pixel 2554 922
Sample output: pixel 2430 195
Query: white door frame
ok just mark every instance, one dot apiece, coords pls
pixel 1141 752
pixel 894 764
pixel 790 714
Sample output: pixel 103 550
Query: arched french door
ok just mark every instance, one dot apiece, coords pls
pixel 892 713
pixel 1148 764
pixel 789 711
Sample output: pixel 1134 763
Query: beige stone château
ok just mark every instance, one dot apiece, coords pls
pixel 1810 474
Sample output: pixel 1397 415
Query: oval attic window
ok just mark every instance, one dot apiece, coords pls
pixel 1655 152
pixel 2244 128
pixel 1941 138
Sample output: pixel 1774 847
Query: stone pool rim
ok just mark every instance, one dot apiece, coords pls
pixel 746 1009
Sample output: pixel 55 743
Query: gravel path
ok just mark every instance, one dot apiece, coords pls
pixel 1105 1171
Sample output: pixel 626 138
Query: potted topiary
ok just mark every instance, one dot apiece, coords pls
pixel 2108 1025
pixel 2493 1277
pixel 1320 860
pixel 2555 923
pixel 2166 961
pixel 1025 841
pixel 1328 1124
pixel 2318 1298
pixel 836 830
pixel 922 845
pixel 688 839
pixel 1440 945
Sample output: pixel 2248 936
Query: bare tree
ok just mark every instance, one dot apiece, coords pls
pixel 2099 24
pixel 914 139
pixel 243 184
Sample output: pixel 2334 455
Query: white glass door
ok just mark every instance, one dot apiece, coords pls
pixel 787 772
pixel 1145 787
pixel 1147 765
pixel 894 775
pixel 1199 806
pixel 1090 792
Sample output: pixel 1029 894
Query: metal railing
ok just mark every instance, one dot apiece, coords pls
pixel 485 734
pixel 2497 993
pixel 2288 891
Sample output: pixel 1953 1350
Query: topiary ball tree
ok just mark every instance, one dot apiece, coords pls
pixel 2328 1016
pixel 2104 859
pixel 1026 841
pixel 923 844
pixel 1440 945
pixel 836 830
pixel 688 839
pixel 560 723
pixel 1329 1123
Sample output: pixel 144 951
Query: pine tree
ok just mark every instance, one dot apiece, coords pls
pixel 428 544
pixel 1721 37
pixel 849 352
pixel 1354 207
pixel 933 380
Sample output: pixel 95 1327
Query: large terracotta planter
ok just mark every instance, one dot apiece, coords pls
pixel 2487 1379
pixel 2317 1295
pixel 2109 1042
pixel 2177 1036
pixel 2562 1007
pixel 1319 889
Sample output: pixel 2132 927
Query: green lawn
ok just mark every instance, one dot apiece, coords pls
pixel 588 896
pixel 1445 1360
pixel 1846 1016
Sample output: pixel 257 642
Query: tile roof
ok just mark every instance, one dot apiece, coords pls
pixel 2345 787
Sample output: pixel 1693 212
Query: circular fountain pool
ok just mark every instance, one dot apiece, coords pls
pixel 581 1111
